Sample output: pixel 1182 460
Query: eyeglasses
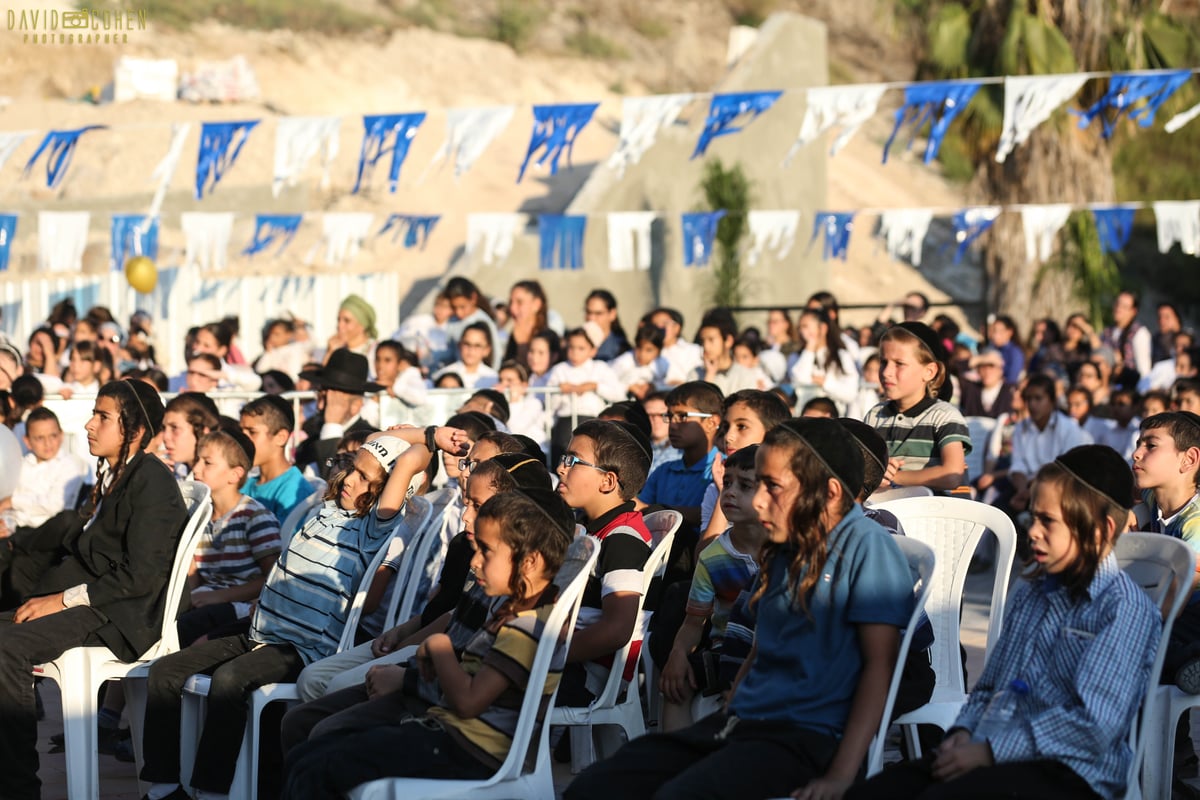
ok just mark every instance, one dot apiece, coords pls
pixel 339 462
pixel 680 417
pixel 473 345
pixel 467 464
pixel 569 460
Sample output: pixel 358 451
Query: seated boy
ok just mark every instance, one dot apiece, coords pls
pixel 694 413
pixel 268 422
pixel 236 553
pixel 50 477
pixel 717 335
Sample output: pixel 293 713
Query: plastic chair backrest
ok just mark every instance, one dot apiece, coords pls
pixel 980 430
pixel 418 522
pixel 197 499
pixel 953 526
pixel 1164 567
pixel 360 594
pixel 560 627
pixel 922 564
pixel 662 523
pixel 300 514
pixel 897 493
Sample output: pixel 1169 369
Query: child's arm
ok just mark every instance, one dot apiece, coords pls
pixel 677 676
pixel 242 593
pixel 947 475
pixel 618 615
pixel 880 645
pixel 413 460
pixel 466 695
pixel 383 576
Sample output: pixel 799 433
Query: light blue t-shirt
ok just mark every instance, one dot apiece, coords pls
pixel 807 666
pixel 679 486
pixel 281 495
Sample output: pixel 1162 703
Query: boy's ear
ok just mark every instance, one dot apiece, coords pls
pixel 280 437
pixel 1190 460
pixel 609 482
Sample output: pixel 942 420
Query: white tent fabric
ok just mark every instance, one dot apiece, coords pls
pixel 1028 102
pixel 62 238
pixel 847 107
pixel 1178 222
pixel 771 230
pixel 166 168
pixel 9 142
pixel 903 230
pixel 1042 224
pixel 207 238
pixel 1173 124
pixel 343 235
pixel 297 141
pixel 469 131
pixel 492 235
pixel 629 240
pixel 641 120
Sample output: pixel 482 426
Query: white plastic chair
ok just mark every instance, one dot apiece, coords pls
pixel 511 780
pixel 195 692
pixel 1164 567
pixel 300 514
pixel 980 430
pixel 660 524
pixel 952 527
pixel 81 671
pixel 923 567
pixel 609 708
pixel 897 493
pixel 403 601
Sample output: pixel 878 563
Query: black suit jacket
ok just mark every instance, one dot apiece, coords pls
pixel 972 400
pixel 314 450
pixel 125 556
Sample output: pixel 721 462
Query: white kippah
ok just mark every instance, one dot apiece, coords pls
pixel 386 450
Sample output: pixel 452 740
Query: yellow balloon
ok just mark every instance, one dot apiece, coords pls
pixel 141 273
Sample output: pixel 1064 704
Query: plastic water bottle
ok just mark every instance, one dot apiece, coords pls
pixel 1000 710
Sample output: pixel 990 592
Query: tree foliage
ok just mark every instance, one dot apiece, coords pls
pixel 728 189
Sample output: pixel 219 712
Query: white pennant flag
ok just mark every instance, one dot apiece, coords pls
pixel 469 131
pixel 493 234
pixel 207 238
pixel 1178 222
pixel 629 240
pixel 1173 124
pixel 62 238
pixel 1028 102
pixel 343 235
pixel 297 141
pixel 847 107
pixel 166 168
pixel 9 142
pixel 641 120
pixel 903 230
pixel 1042 224
pixel 771 230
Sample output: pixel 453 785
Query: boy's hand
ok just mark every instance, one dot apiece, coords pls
pixel 894 465
pixel 957 761
pixel 37 607
pixel 678 682
pixel 718 473
pixel 385 643
pixel 384 679
pixel 452 440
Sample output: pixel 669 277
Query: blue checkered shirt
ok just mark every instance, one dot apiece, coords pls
pixel 1086 663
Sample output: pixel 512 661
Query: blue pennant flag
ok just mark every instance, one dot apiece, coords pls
pixel 1124 92
pixel 726 109
pixel 133 235
pixel 1114 225
pixel 699 233
pixel 970 224
pixel 555 129
pixel 216 139
pixel 384 133
pixel 836 226
pixel 270 227
pixel 8 229
pixel 61 146
pixel 416 228
pixel 938 102
pixel 562 235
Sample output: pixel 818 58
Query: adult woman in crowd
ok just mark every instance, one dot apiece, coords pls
pixel 527 307
pixel 469 306
pixel 1077 343
pixel 355 329
pixel 215 338
pixel 1169 324
pixel 1045 348
pixel 601 308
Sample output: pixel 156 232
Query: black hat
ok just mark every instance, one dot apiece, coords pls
pixel 555 507
pixel 639 437
pixel 930 338
pixel 530 448
pixel 1101 469
pixel 834 446
pixel 345 371
pixel 529 472
pixel 869 439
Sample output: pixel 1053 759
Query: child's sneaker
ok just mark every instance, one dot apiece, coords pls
pixel 1187 677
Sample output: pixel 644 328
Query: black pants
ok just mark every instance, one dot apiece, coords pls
pixel 329 766
pixel 1026 780
pixel 709 762
pixel 21 647
pixel 198 622
pixel 238 666
pixel 347 709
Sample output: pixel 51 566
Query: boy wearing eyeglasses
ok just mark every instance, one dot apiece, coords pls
pixel 600 474
pixel 694 414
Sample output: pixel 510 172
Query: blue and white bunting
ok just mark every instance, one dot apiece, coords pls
pixel 492 235
pixel 272 228
pixel 699 233
pixel 970 224
pixel 1041 225
pixel 62 238
pixel 297 141
pixel 1178 221
pixel 1029 100
pixel 132 235
pixel 1173 124
pixel 10 141
pixel 59 147
pixel 343 234
pixel 771 230
pixel 8 229
pixel 726 110
pixel 555 129
pixel 836 227
pixel 383 134
pixel 206 237
pixel 220 145
pixel 829 107
pixel 641 120
pixel 903 231
pixel 935 102
pixel 629 240
pixel 415 227
pixel 1125 90
pixel 469 131
pixel 560 241
pixel 1114 225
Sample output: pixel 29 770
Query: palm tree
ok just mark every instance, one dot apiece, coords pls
pixel 1059 162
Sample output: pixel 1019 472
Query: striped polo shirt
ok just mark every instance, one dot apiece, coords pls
pixel 919 434
pixel 231 547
